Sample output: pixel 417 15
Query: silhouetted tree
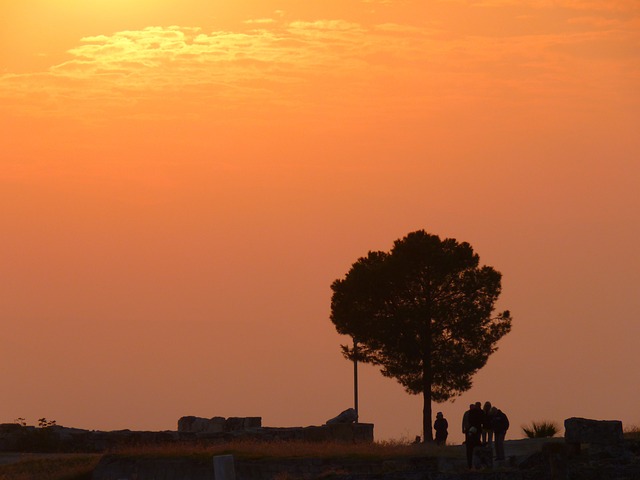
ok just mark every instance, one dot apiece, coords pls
pixel 424 313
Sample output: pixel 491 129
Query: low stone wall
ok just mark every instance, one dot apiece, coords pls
pixel 17 438
pixel 338 432
pixel 220 428
pixel 192 424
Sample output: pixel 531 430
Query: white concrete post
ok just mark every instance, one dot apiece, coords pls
pixel 223 467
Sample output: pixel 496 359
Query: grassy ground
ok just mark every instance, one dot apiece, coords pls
pixel 50 467
pixel 259 449
pixel 80 466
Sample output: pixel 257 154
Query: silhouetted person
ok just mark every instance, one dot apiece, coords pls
pixel 473 432
pixel 487 430
pixel 500 425
pixel 441 426
pixel 479 407
pixel 465 419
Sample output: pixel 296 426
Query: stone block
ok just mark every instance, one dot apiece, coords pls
pixel 216 425
pixel 347 416
pixel 252 422
pixel 193 424
pixel 185 423
pixel 363 432
pixel 341 432
pixel 316 434
pixel 599 432
pixel 200 425
pixel 233 424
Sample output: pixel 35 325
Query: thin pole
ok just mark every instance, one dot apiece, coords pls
pixel 355 377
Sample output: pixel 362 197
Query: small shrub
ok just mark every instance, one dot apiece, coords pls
pixel 543 429
pixel 44 423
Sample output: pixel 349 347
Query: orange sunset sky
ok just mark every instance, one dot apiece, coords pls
pixel 181 182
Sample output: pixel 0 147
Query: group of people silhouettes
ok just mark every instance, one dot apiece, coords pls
pixel 482 426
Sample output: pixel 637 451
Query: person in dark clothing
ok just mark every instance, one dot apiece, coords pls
pixel 500 425
pixel 465 420
pixel 441 426
pixel 479 407
pixel 487 431
pixel 472 435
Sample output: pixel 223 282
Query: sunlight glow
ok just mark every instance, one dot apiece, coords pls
pixel 182 180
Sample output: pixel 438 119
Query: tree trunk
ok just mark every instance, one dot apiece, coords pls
pixel 427 380
pixel 426 416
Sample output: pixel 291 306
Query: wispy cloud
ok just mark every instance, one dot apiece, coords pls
pixel 259 21
pixel 599 5
pixel 256 62
pixel 270 61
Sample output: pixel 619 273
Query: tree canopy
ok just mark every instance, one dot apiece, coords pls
pixel 423 313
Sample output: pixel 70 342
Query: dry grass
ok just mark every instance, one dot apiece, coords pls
pixel 80 466
pixel 51 467
pixel 632 432
pixel 290 449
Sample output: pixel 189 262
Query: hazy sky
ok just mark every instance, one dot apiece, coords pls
pixel 181 182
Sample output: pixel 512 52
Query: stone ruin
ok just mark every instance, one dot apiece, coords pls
pixel 348 416
pixel 593 432
pixel 608 455
pixel 200 425
pixel 342 428
pixel 56 438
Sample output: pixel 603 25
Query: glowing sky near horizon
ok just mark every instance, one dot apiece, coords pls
pixel 180 183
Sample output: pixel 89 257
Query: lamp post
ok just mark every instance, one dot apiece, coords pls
pixel 355 377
